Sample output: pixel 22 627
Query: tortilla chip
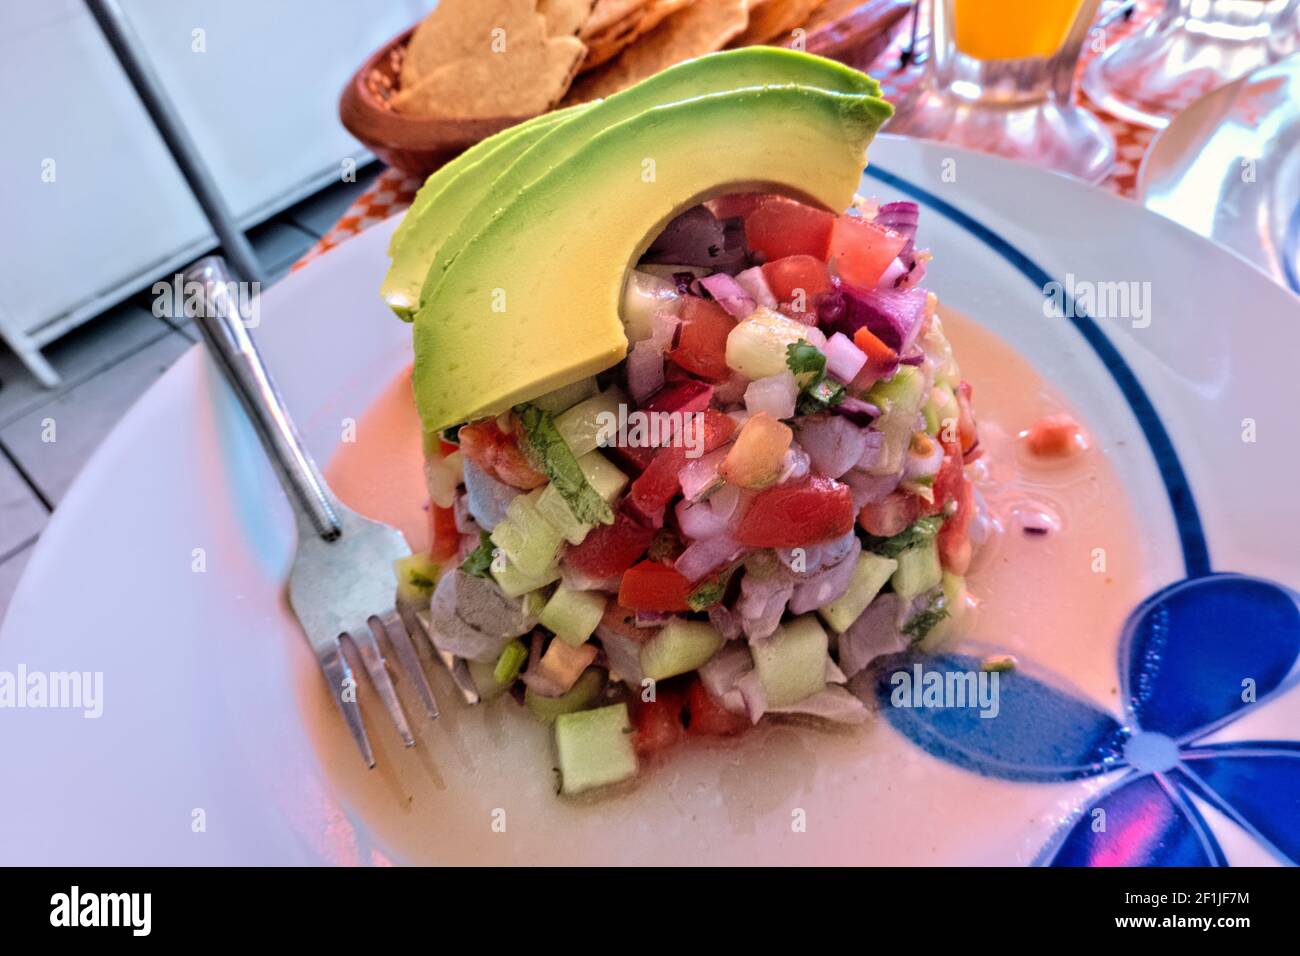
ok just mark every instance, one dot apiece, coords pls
pixel 609 13
pixel 564 17
pixel 692 31
pixel 458 29
pixel 603 47
pixel 772 19
pixel 528 77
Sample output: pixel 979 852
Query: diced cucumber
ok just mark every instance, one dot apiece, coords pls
pixel 572 616
pixel 566 396
pixel 510 662
pixel 594 748
pixel 940 408
pixel 954 592
pixel 643 296
pixel 528 539
pixel 416 576
pixel 903 393
pixel 585 691
pixel 604 478
pixel 679 646
pixel 791 664
pixel 514 583
pixel 918 571
pixel 581 425
pixel 870 575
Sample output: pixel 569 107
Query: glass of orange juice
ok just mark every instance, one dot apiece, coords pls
pixel 1000 79
pixel 1191 48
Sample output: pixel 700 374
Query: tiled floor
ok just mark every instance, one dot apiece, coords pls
pixel 106 365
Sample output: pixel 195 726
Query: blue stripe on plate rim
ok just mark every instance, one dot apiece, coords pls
pixel 1191 534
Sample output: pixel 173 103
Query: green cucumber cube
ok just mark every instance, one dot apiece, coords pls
pixel 791 664
pixel 572 616
pixel 416 576
pixel 871 574
pixel 585 691
pixel 918 571
pixel 581 425
pixel 528 539
pixel 679 647
pixel 903 394
pixel 514 583
pixel 566 396
pixel 595 748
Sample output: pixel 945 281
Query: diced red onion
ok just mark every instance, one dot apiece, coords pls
pixel 844 360
pixel 700 475
pixel 893 315
pixel 902 218
pixel 914 275
pixel 645 370
pixel 833 443
pixel 725 669
pixel 816 556
pixel 775 395
pixel 914 357
pixel 829 584
pixel 650 618
pixel 706 555
pixel 893 275
pixel 755 283
pixel 699 521
pixel 873 453
pixel 857 411
pixel 728 293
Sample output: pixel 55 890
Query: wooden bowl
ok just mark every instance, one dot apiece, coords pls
pixel 419 145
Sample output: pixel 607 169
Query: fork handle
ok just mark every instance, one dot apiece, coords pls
pixel 228 341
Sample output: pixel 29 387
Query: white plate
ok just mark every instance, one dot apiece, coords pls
pixel 206 679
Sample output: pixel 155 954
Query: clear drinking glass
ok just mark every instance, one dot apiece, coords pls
pixel 1000 79
pixel 1193 47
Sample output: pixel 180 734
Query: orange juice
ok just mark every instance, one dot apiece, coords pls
pixel 1012 29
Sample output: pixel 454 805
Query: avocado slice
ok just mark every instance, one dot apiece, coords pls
pixel 730 70
pixel 438 206
pixel 532 302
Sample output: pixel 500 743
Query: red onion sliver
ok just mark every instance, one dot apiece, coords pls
pixel 844 360
pixel 704 556
pixel 729 294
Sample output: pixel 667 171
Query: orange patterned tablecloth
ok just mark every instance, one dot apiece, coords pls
pixel 392 190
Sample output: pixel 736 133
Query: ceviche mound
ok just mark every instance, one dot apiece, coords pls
pixel 694 448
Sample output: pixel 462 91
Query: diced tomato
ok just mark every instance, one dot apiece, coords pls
pixel 684 396
pixel 797 281
pixel 791 516
pixel 862 250
pixel 443 533
pixel 1055 436
pixel 657 724
pixel 954 537
pixel 737 204
pixel 947 483
pixel 498 453
pixel 651 586
pixel 890 515
pixel 702 342
pixel 610 549
pixel 655 486
pixel 446 448
pixel 707 716
pixel 782 227
pixel 967 432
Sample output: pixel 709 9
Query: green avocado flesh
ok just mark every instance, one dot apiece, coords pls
pixel 531 303
pixel 442 200
pixel 732 70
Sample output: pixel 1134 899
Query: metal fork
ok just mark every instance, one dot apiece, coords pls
pixel 342 582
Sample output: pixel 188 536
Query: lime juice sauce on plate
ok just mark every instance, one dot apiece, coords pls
pixel 479 788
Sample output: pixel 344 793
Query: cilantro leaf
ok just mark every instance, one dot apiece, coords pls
pixel 923 622
pixel 921 531
pixel 708 593
pixel 546 446
pixel 479 561
pixel 818 393
pixel 803 356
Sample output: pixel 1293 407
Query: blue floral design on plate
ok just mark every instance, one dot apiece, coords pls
pixel 1193 657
